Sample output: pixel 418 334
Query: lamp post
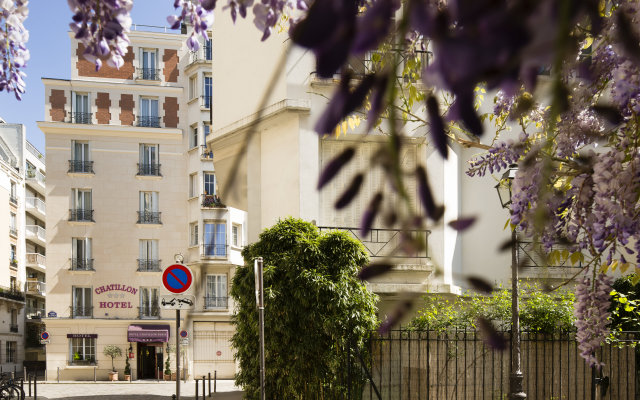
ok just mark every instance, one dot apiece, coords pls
pixel 515 379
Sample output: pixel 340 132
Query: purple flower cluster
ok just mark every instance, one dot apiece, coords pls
pixel 13 41
pixel 497 158
pixel 592 316
pixel 199 14
pixel 576 128
pixel 102 27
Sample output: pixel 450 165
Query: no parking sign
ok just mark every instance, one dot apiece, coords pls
pixel 177 278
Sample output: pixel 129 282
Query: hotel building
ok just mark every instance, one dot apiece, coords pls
pixel 131 188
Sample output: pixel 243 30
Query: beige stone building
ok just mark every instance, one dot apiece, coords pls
pixel 130 187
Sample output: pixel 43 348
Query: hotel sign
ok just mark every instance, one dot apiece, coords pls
pixel 115 291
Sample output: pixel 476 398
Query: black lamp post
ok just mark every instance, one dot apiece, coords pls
pixel 515 379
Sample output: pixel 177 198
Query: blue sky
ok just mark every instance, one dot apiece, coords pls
pixel 49 45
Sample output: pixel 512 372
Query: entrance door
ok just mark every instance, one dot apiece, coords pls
pixel 146 361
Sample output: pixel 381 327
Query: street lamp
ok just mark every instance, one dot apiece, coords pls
pixel 515 379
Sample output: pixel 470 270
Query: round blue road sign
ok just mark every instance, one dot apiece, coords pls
pixel 177 278
pixel 44 335
pixel 183 334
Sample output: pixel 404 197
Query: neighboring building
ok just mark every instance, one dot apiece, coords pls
pixel 22 188
pixel 130 187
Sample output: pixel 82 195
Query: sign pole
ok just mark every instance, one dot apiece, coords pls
pixel 260 302
pixel 177 354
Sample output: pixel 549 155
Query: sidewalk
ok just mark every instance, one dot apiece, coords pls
pixel 137 390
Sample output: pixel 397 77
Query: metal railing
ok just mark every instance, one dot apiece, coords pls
pixel 148 121
pixel 33 286
pixel 35 231
pixel 148 169
pixel 80 118
pixel 204 53
pixel 12 292
pixel 81 311
pixel 150 74
pixel 35 313
pixel 149 217
pixel 35 175
pixel 206 153
pixel 81 166
pixel 205 101
pixel 32 149
pixel 36 259
pixel 148 265
pixel 211 201
pixel 389 242
pixel 13 200
pixel 531 254
pixel 81 214
pixel 215 302
pixel 214 250
pixel 149 311
pixel 35 203
pixel 13 231
pixel 82 264
pixel 13 328
pixel 13 263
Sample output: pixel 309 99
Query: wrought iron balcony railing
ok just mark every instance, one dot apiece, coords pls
pixel 13 328
pixel 81 166
pixel 150 74
pixel 13 231
pixel 148 121
pixel 389 242
pixel 206 153
pixel 203 54
pixel 215 302
pixel 148 169
pixel 13 263
pixel 211 201
pixel 12 292
pixel 82 264
pixel 81 311
pixel 81 214
pixel 13 200
pixel 214 250
pixel 149 217
pixel 81 118
pixel 148 265
pixel 149 311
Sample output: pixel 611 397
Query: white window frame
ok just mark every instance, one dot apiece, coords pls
pixel 193 234
pixel 216 291
pixel 154 64
pixel 84 302
pixel 88 347
pixel 149 299
pixel 193 185
pixel 11 351
pixel 193 136
pixel 149 201
pixel 82 199
pixel 193 86
pixel 215 236
pixel 236 235
pixel 84 153
pixel 211 184
pixel 149 249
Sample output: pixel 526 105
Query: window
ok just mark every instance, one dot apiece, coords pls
pixel 149 160
pixel 82 351
pixel 81 254
pixel 193 91
pixel 207 92
pixel 82 107
pixel 13 227
pixel 148 213
pixel 149 113
pixel 235 235
pixel 13 195
pixel 207 129
pixel 13 256
pixel 215 239
pixel 80 160
pixel 82 306
pixel 148 260
pixel 14 320
pixel 209 183
pixel 208 50
pixel 193 138
pixel 149 307
pixel 149 69
pixel 193 234
pixel 81 205
pixel 216 291
pixel 13 284
pixel 193 185
pixel 11 348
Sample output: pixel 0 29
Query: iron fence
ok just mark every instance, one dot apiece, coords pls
pixel 389 242
pixel 81 166
pixel 456 365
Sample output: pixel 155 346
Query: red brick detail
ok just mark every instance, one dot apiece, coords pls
pixel 171 60
pixel 103 103
pixel 126 109
pixel 171 109
pixel 86 68
pixel 57 101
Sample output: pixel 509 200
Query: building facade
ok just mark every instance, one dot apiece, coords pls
pixel 22 284
pixel 131 189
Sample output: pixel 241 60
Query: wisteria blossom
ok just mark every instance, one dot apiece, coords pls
pixel 13 42
pixel 199 14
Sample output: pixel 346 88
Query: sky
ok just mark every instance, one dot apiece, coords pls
pixel 50 48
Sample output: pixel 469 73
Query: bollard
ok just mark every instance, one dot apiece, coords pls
pixel 209 384
pixel 204 381
pixel 94 374
pixel 15 370
pixel 35 387
pixel 215 381
pixel 158 375
pixel 22 385
pixel 196 388
pixel 29 385
pixel 24 373
pixel 58 374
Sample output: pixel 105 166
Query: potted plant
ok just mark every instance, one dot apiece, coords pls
pixel 127 369
pixel 113 352
pixel 167 367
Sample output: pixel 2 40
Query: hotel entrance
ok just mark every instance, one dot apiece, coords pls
pixel 150 361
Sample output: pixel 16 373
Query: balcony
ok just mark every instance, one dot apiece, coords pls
pixel 35 287
pixel 13 231
pixel 13 200
pixel 149 217
pixel 80 118
pixel 151 311
pixel 148 265
pixel 80 167
pixel 36 178
pixel 36 260
pixel 211 201
pixel 148 121
pixel 212 303
pixel 35 205
pixel 35 313
pixel 205 102
pixel 148 74
pixel 205 153
pixel 81 311
pixel 81 215
pixel 389 242
pixel 214 250
pixel 204 54
pixel 13 328
pixel 12 293
pixel 36 233
pixel 13 263
pixel 148 169
pixel 82 264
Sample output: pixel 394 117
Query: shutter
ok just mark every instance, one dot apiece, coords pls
pixel 142 201
pixel 154 249
pixel 87 248
pixel 154 107
pixel 154 202
pixel 142 251
pixel 74 248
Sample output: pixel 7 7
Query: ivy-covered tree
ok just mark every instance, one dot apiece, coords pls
pixel 315 308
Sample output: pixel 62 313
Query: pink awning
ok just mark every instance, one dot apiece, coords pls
pixel 148 333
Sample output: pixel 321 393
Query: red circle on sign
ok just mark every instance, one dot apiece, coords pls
pixel 44 335
pixel 218 353
pixel 183 334
pixel 177 278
